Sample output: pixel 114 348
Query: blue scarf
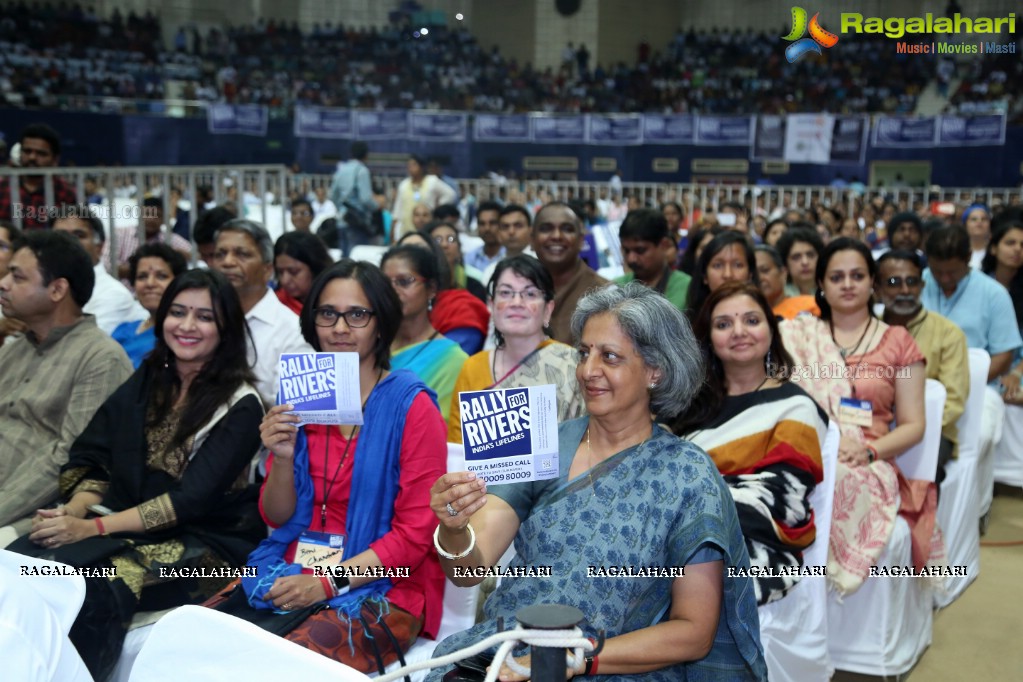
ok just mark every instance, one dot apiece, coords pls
pixel 375 484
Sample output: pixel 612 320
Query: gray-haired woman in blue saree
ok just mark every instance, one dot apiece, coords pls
pixel 630 500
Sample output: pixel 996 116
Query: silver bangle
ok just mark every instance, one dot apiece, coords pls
pixel 448 555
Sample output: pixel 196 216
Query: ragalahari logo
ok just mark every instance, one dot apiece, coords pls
pixel 818 36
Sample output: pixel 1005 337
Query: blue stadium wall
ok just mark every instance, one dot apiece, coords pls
pixel 92 139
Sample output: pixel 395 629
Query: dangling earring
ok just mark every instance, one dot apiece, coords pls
pixel 429 306
pixel 767 362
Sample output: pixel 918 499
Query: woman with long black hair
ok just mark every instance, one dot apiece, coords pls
pixel 157 484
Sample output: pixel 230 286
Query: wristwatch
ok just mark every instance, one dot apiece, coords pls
pixel 341 584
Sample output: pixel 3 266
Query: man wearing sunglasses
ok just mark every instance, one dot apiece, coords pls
pixel 898 286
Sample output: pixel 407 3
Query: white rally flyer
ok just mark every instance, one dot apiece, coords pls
pixel 323 387
pixel 510 435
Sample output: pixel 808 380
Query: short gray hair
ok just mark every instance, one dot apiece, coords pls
pixel 661 335
pixel 258 233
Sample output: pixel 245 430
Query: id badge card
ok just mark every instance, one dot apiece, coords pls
pixel 320 549
pixel 858 412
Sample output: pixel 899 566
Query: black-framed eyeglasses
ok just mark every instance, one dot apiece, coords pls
pixel 357 318
pixel 897 282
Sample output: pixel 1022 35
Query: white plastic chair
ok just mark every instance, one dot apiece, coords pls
pixel 1008 457
pixel 36 614
pixel 459 602
pixel 884 627
pixel 794 629
pixel 205 645
pixel 459 614
pixel 969 423
pixel 920 462
pixel 958 506
pixel 984 452
pixel 369 253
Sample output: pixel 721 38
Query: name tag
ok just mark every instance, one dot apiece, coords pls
pixel 858 412
pixel 320 549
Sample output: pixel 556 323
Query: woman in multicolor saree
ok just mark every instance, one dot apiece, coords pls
pixel 763 432
pixel 418 346
pixel 168 455
pixel 521 303
pixel 629 494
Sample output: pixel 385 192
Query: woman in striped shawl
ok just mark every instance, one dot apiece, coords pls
pixel 763 432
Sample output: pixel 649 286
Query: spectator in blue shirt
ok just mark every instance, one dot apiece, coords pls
pixel 983 310
pixel 352 190
pixel 487 222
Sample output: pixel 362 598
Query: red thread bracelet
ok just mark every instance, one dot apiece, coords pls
pixel 593 668
pixel 99 526
pixel 328 587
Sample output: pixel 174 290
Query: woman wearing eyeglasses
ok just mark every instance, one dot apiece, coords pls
pixel 521 303
pixel 419 346
pixel 339 481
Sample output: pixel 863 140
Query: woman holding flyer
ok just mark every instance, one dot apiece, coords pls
pixel 521 296
pixel 417 345
pixel 155 488
pixel 350 502
pixel 629 496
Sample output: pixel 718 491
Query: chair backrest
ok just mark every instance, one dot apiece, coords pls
pixel 920 462
pixel 221 647
pixel 369 253
pixel 969 422
pixel 822 497
pixel 459 602
pixel 64 594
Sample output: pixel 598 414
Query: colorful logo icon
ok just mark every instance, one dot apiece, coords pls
pixel 818 36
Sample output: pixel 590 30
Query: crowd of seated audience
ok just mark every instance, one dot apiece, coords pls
pixel 277 64
pixel 989 84
pixel 53 52
pixel 746 439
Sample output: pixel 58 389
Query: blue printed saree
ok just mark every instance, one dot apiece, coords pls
pixel 659 504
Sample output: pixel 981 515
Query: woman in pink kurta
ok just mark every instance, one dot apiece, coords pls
pixel 849 355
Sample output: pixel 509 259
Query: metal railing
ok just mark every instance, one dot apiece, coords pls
pixel 122 191
pixel 263 192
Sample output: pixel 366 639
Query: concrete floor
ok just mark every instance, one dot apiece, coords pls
pixel 980 635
